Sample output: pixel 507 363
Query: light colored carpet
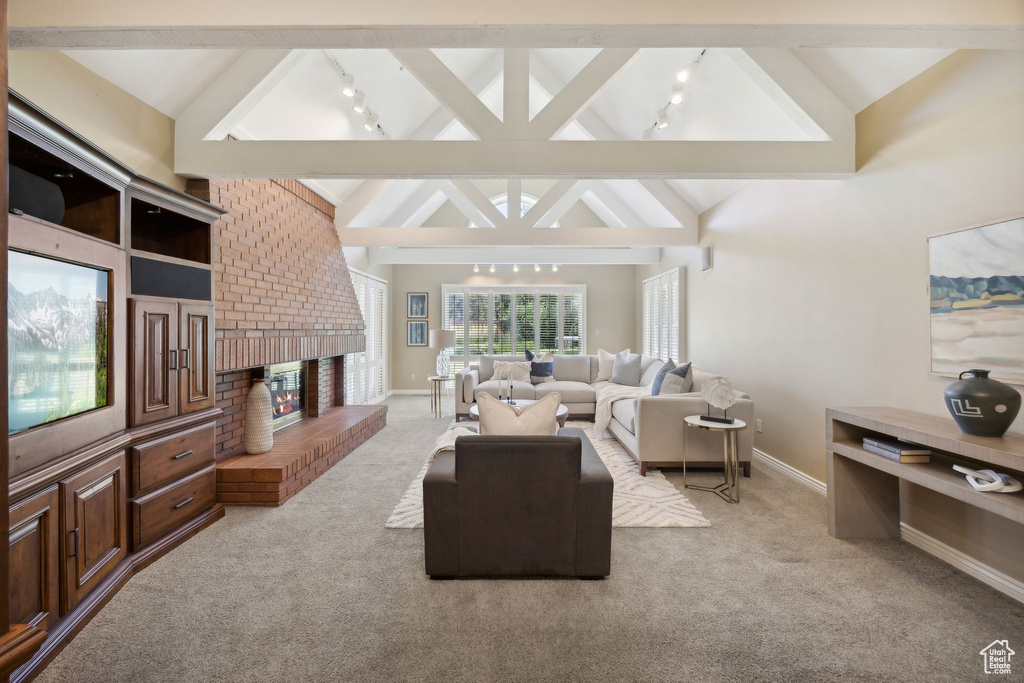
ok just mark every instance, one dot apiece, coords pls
pixel 641 502
pixel 319 590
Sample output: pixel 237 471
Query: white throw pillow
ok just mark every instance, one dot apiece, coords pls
pixel 532 419
pixel 651 372
pixel 517 371
pixel 605 363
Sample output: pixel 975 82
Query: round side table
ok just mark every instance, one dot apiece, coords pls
pixel 729 490
pixel 437 385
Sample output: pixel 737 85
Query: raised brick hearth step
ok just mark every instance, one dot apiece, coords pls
pixel 301 453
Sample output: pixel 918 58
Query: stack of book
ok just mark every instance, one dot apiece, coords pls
pixel 897 450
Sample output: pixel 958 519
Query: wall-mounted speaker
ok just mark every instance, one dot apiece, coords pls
pixel 706 259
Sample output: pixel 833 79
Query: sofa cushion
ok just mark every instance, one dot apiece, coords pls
pixel 699 377
pixel 651 371
pixel 647 361
pixel 625 412
pixel 534 419
pixel 571 392
pixel 626 372
pixel 519 389
pixel 517 371
pixel 572 368
pixel 487 365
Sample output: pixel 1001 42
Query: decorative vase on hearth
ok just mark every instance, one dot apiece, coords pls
pixel 982 406
pixel 259 434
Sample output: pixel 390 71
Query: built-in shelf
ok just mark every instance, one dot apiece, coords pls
pixel 159 230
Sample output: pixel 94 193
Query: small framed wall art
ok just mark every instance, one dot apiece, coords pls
pixel 417 335
pixel 417 304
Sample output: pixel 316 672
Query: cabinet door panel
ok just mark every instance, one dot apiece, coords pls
pixel 196 374
pixel 34 547
pixel 154 360
pixel 95 526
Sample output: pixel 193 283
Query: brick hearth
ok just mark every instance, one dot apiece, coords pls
pixel 301 453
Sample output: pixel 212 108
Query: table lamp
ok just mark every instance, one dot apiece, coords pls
pixel 444 340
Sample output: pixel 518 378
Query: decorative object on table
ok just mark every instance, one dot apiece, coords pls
pixel 417 304
pixel 980 405
pixel 259 433
pixel 443 340
pixel 542 368
pixel 537 418
pixel 977 299
pixel 728 490
pixel 894 449
pixel 989 481
pixel 672 379
pixel 511 372
pixel 717 392
pixel 417 333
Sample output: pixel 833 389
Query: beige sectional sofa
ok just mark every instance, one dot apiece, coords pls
pixel 650 428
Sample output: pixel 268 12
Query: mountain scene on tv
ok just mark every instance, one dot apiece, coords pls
pixel 57 340
pixel 949 293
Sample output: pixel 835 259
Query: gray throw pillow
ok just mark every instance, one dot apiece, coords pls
pixel 677 380
pixel 626 372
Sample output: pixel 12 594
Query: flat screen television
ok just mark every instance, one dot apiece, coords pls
pixel 57 339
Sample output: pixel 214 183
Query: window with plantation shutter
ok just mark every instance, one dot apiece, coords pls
pixel 514 319
pixel 659 327
pixel 366 371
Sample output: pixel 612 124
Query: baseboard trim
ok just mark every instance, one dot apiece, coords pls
pixel 793 473
pixel 409 392
pixel 1007 585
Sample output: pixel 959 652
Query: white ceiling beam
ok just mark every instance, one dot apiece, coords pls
pixel 520 158
pixel 608 206
pixel 105 24
pixel 516 94
pixel 476 206
pixel 502 237
pixel 514 197
pixel 797 91
pixel 451 92
pixel 409 211
pixel 441 118
pixel 550 207
pixel 233 94
pixel 578 93
pixel 356 201
pixel 526 257
pixel 671 200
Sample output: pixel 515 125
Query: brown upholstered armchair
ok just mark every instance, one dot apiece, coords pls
pixel 518 506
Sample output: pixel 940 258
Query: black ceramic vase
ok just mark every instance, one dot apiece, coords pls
pixel 982 406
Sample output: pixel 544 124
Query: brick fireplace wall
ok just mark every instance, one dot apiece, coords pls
pixel 283 292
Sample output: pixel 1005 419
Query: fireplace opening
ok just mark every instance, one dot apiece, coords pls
pixel 287 384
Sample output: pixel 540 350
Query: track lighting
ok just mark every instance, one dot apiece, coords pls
pixel 348 85
pixel 492 267
pixel 554 267
pixel 677 94
pixel 359 102
pixel 684 73
pixel 476 267
pixel 371 121
pixel 536 267
pixel 662 118
pixel 515 267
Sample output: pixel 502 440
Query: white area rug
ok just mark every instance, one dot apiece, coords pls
pixel 651 501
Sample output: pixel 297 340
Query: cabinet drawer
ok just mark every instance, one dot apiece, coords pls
pixel 159 462
pixel 161 511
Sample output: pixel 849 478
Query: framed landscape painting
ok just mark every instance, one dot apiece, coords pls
pixel 977 300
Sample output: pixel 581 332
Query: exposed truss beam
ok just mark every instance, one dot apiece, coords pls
pixel 104 24
pixel 511 236
pixel 356 201
pixel 516 96
pixel 474 204
pixel 672 201
pixel 524 256
pixel 501 159
pixel 234 93
pixel 514 193
pixel 578 93
pixel 416 208
pixel 550 207
pixel 451 92
pixel 608 206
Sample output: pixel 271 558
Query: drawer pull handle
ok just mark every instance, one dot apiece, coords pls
pixel 74 553
pixel 179 456
pixel 184 502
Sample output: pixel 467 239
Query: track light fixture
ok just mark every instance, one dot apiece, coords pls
pixel 492 267
pixel 536 267
pixel 371 121
pixel 662 118
pixel 554 267
pixel 359 102
pixel 677 94
pixel 348 84
pixel 515 267
pixel 476 267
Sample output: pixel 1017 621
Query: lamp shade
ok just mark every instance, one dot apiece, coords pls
pixel 442 339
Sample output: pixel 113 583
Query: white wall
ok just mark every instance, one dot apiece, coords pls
pixel 819 295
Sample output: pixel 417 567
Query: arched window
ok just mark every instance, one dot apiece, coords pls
pixel 501 204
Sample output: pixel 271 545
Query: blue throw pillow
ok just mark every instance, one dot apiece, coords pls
pixel 541 370
pixel 680 371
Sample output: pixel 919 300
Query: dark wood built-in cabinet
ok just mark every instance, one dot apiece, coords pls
pixel 99 495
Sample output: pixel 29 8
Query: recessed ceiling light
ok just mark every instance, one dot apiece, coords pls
pixel 662 118
pixel 677 94
pixel 359 102
pixel 371 121
pixel 348 85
